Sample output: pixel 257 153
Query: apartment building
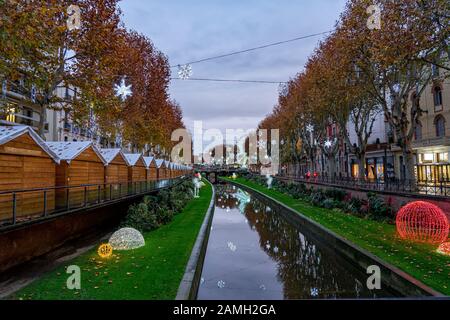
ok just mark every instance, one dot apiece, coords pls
pixel 380 160
pixel 432 136
pixel 16 107
pixel 431 139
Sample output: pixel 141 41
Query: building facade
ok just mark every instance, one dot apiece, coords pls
pixel 380 160
pixel 432 136
pixel 384 158
pixel 18 108
pixel 431 143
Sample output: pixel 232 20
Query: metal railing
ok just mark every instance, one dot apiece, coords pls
pixel 431 188
pixel 23 206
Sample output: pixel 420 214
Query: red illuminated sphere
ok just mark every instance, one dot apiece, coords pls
pixel 422 222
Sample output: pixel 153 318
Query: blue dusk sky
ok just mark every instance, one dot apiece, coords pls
pixel 188 30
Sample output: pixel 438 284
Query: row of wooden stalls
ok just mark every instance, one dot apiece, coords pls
pixel 66 175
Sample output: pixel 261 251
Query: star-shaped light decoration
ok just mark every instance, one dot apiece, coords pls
pixel 283 89
pixel 310 128
pixel 396 87
pixel 123 91
pixel 314 292
pixel 33 93
pixel 232 246
pixel 328 144
pixel 221 284
pixel 184 71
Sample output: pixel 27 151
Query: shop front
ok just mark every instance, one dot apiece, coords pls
pixel 433 165
pixel 377 167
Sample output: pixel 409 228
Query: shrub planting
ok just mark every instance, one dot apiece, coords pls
pixel 159 209
pixel 378 209
pixel 374 208
pixel 140 218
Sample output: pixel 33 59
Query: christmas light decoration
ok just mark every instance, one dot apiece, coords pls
pixel 328 144
pixel 422 222
pixel 184 71
pixel 105 251
pixel 283 89
pixel 232 246
pixel 310 128
pixel 33 93
pixel 127 239
pixel 122 90
pixel 269 179
pixel 444 249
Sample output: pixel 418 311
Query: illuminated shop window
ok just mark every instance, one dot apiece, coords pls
pixel 443 157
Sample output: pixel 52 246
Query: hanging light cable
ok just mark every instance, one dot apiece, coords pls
pixel 231 80
pixel 253 49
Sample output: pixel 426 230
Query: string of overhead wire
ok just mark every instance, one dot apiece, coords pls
pixel 231 80
pixel 253 49
pixel 188 65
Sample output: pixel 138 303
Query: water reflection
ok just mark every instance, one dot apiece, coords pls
pixel 255 253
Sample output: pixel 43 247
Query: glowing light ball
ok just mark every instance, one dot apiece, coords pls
pixel 105 251
pixel 422 222
pixel 127 239
pixel 444 249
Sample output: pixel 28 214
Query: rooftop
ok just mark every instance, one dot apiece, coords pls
pixel 133 158
pixel 69 151
pixel 9 133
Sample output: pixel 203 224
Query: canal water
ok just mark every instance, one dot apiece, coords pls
pixel 254 253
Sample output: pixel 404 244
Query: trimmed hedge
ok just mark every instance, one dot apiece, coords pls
pixel 374 207
pixel 158 210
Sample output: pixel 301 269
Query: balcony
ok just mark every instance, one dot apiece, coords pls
pixel 433 142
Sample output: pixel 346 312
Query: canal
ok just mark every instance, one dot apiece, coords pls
pixel 254 253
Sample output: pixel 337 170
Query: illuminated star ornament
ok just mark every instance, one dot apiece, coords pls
pixel 184 71
pixel 310 128
pixel 283 89
pixel 123 91
pixel 328 143
pixel 33 93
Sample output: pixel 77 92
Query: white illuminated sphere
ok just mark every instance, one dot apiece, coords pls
pixel 126 239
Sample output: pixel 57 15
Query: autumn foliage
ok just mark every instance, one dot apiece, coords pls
pixel 39 48
pixel 359 72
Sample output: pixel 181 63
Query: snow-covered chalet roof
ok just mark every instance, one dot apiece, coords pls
pixel 9 133
pixel 69 151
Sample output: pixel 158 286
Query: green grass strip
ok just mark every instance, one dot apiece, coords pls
pixel 153 272
pixel 419 260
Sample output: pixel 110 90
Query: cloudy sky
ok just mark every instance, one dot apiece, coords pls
pixel 188 30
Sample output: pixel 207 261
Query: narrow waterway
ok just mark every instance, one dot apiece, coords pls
pixel 256 254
